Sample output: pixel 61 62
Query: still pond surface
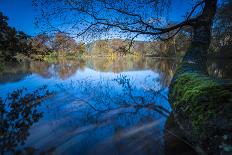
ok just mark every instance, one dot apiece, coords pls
pixel 94 106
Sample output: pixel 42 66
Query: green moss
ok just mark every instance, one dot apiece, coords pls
pixel 199 97
pixel 202 105
pixel 1 65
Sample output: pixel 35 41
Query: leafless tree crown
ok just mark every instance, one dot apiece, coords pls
pixel 120 18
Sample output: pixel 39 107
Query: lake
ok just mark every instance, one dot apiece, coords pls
pixel 94 106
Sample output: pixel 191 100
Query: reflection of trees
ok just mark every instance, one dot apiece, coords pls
pixel 63 67
pixel 41 68
pixel 220 68
pixel 127 96
pixel 102 63
pixel 14 71
pixel 66 68
pixel 18 112
pixel 119 64
pixel 114 64
pixel 123 64
pixel 131 115
pixel 139 63
pixel 165 67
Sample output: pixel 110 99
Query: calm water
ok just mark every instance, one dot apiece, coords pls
pixel 98 106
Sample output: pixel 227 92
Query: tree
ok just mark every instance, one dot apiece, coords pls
pixel 127 17
pixel 101 47
pixel 22 45
pixel 40 44
pixel 131 18
pixel 64 44
pixel 11 40
pixel 81 48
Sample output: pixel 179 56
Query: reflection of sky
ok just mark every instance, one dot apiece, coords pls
pixel 72 127
pixel 34 80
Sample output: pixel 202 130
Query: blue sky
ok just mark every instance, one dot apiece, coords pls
pixel 21 13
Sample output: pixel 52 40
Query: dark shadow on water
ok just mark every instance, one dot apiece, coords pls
pixel 175 141
pixel 14 71
pixel 220 69
pixel 18 112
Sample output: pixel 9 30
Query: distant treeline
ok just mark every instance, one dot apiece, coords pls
pixel 13 42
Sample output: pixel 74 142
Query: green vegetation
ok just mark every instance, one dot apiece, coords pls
pixel 203 106
pixel 16 45
pixel 1 67
pixel 118 47
pixel 11 41
pixel 194 96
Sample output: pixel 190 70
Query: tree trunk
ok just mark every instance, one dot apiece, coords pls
pixel 201 104
pixel 198 49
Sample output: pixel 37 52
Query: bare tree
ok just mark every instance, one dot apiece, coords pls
pixel 127 18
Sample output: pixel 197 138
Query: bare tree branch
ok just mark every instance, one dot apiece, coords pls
pixel 125 17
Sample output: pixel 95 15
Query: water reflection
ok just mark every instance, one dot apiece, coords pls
pixel 219 68
pixel 104 116
pixel 100 105
pixel 65 68
pixel 61 67
pixel 14 72
pixel 175 142
pixel 18 112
